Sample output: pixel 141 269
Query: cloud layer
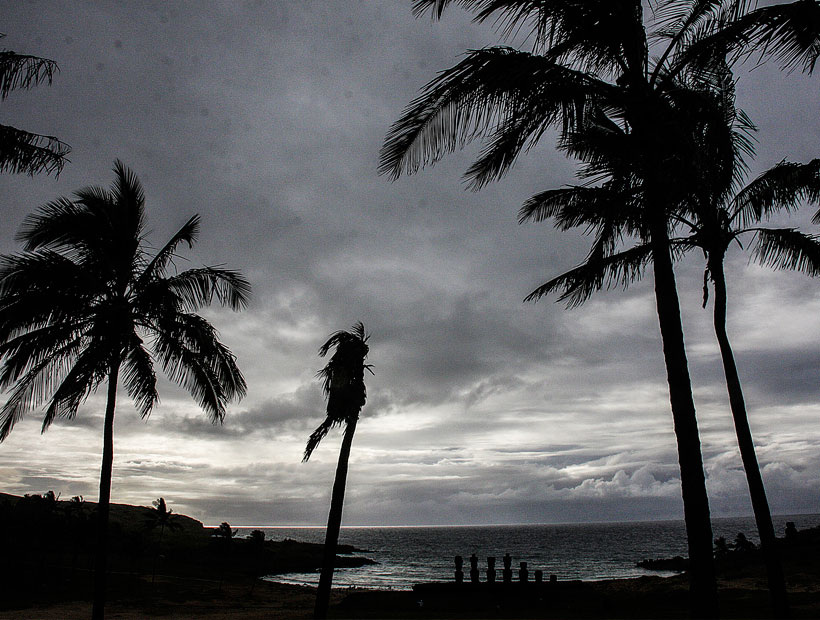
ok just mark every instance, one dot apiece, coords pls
pixel 267 119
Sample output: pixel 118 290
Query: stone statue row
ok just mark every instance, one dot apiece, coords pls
pixel 506 573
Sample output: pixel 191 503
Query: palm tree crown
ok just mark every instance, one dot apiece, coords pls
pixel 342 381
pixel 86 294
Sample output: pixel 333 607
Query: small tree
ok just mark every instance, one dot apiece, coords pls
pixel 225 535
pixel 162 517
pixel 257 541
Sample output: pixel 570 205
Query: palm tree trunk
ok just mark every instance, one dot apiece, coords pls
pixel 757 492
pixel 334 522
pixel 702 580
pixel 101 550
pixel 156 554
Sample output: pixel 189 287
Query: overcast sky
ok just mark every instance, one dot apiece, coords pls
pixel 266 118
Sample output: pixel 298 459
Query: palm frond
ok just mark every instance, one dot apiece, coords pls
pixel 789 33
pixel 87 371
pixel 38 375
pixel 22 152
pixel 188 233
pixel 782 187
pixel 139 377
pixel 198 287
pixel 191 355
pixel 578 284
pixel 40 288
pixel 130 197
pixel 476 98
pixel 787 248
pixel 20 71
pixel 57 224
pixel 581 206
pixel 316 437
pixel 599 35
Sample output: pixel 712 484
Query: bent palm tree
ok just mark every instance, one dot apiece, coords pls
pixel 78 304
pixel 343 385
pixel 21 151
pixel 591 59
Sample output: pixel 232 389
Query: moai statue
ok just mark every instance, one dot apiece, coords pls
pixel 553 579
pixel 459 572
pixel 539 576
pixel 474 568
pixel 507 569
pixel 490 570
pixel 523 573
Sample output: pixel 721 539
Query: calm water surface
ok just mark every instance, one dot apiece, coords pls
pixel 590 551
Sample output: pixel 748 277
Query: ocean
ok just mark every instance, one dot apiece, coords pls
pixel 590 551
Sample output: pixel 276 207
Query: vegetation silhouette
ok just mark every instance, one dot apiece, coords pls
pixel 257 540
pixel 225 535
pixel 591 60
pixel 718 215
pixel 161 517
pixel 343 386
pixel 21 151
pixel 77 305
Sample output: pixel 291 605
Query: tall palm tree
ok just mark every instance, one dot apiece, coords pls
pixel 718 218
pixel 21 151
pixel 591 58
pixel 78 304
pixel 343 385
pixel 781 187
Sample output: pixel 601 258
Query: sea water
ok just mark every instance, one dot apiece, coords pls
pixel 406 556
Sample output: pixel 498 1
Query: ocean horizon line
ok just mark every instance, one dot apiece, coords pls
pixel 466 525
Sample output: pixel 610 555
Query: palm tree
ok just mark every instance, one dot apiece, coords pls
pixel 718 218
pixel 225 534
pixel 162 517
pixel 343 385
pixel 77 305
pixel 591 58
pixel 21 151
pixel 713 230
pixel 257 541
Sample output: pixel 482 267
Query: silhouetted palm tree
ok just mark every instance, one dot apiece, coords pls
pixel 343 385
pixel 718 218
pixel 591 59
pixel 714 230
pixel 21 151
pixel 225 535
pixel 160 517
pixel 78 304
pixel 257 541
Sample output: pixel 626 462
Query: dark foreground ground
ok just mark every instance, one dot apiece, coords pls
pixel 647 597
pixel 189 573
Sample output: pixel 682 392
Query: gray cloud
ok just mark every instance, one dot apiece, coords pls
pixel 267 120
